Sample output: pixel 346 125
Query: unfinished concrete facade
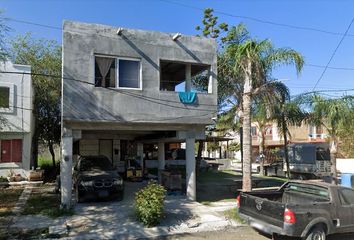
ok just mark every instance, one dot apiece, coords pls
pixel 16 119
pixel 121 89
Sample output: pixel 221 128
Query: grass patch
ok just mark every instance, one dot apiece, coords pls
pixel 274 178
pixel 3 179
pixel 219 177
pixel 47 204
pixel 233 214
pixel 8 198
pixel 216 176
pixel 44 162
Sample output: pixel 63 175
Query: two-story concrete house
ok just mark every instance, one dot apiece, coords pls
pixel 16 119
pixel 123 88
pixel 306 133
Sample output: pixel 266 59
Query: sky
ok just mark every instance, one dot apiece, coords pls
pixel 280 21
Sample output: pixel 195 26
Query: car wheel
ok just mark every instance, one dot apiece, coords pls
pixel 317 233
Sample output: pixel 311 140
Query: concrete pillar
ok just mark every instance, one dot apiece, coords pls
pixel 140 153
pixel 190 169
pixel 188 77
pixel 161 158
pixel 66 168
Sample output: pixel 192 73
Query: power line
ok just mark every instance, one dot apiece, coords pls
pixel 323 91
pixel 334 68
pixel 33 23
pixel 82 32
pixel 332 56
pixel 84 81
pixel 260 20
pixel 147 98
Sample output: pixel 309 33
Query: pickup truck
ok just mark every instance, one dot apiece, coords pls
pixel 306 209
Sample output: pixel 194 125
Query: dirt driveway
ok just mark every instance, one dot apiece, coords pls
pixel 112 220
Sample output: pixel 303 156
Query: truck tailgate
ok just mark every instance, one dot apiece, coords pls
pixel 262 209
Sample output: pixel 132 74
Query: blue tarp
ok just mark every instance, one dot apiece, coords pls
pixel 187 97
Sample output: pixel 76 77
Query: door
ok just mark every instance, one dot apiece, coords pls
pixel 5 150
pixel 11 150
pixel 106 148
pixel 16 145
pixel 346 209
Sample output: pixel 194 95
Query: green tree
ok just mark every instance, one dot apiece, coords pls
pixel 44 57
pixel 244 70
pixel 288 113
pixel 3 33
pixel 3 55
pixel 262 118
pixel 334 115
pixel 346 139
pixel 254 61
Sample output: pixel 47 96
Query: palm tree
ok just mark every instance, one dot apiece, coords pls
pixel 333 115
pixel 261 117
pixel 288 113
pixel 254 61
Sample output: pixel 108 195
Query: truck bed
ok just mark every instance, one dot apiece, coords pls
pixel 269 206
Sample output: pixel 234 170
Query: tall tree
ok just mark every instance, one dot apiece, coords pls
pixel 44 57
pixel 254 61
pixel 3 55
pixel 262 118
pixel 288 113
pixel 244 67
pixel 333 115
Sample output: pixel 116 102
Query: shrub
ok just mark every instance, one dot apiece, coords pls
pixel 149 203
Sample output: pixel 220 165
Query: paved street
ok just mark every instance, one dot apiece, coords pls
pixel 238 233
pixel 241 232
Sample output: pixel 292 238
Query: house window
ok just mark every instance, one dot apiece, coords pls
pixel 268 130
pixel 117 72
pixel 319 131
pixel 173 77
pixel 254 131
pixel 129 73
pixel 4 97
pixel 105 72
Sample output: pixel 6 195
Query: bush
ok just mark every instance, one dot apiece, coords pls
pixel 149 203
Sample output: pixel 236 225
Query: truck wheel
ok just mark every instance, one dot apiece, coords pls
pixel 317 233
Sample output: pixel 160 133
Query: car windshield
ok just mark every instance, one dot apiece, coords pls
pixel 95 163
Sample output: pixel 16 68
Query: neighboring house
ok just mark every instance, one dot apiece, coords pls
pixel 218 147
pixel 121 91
pixel 305 133
pixel 16 119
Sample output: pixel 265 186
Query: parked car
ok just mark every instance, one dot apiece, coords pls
pixel 95 177
pixel 307 209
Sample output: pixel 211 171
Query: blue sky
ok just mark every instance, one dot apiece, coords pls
pixel 163 15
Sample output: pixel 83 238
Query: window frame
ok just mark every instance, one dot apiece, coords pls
pixel 341 192
pixel 117 58
pixel 94 67
pixel 11 97
pixel 140 73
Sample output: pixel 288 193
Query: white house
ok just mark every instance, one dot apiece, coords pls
pixel 16 119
